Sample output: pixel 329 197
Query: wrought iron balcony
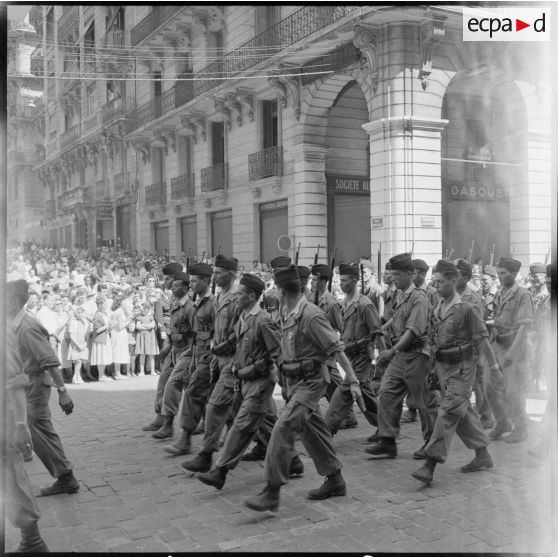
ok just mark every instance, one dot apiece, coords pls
pixel 266 163
pixel 156 194
pixel 50 209
pixel 75 197
pixel 158 16
pixel 37 61
pixel 115 108
pixel 115 38
pixel 214 178
pixel 182 187
pixel 70 136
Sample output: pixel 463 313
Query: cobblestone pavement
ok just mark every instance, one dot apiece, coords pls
pixel 135 498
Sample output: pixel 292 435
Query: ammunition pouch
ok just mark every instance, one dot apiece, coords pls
pixel 506 339
pixel 258 369
pixel 300 368
pixel 224 349
pixel 354 349
pixel 454 355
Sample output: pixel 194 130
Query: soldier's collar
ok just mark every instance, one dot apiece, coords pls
pixel 18 318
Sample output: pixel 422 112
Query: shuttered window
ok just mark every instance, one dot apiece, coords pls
pixel 273 224
pixel 221 233
pixel 189 235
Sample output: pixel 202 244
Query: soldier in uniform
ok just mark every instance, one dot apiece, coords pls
pixel 457 328
pixel 21 507
pixel 307 341
pixel 513 317
pixel 270 299
pixel 361 329
pixel 489 290
pixel 43 371
pixel 223 346
pixel 389 296
pixel 304 274
pixel 540 295
pixel 407 363
pixel 165 358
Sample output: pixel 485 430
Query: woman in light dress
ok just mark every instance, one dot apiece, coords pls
pixel 146 340
pixel 78 351
pixel 101 348
pixel 119 338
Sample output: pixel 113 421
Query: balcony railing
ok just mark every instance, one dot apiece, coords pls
pixel 156 194
pixel 115 38
pixel 116 107
pixel 149 23
pixel 74 197
pixel 69 136
pixel 266 163
pixel 214 178
pixel 50 209
pixel 182 187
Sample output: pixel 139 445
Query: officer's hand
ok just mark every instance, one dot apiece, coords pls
pixel 384 357
pixel 357 396
pixel 66 403
pixel 22 438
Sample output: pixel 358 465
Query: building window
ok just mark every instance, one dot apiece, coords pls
pixel 270 124
pixel 266 17
pixel 90 101
pixel 217 143
pixel 185 155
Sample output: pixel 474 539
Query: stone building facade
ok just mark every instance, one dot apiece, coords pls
pixel 254 129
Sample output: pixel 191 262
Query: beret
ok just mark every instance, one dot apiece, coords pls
pixel 201 269
pixel 303 271
pixel 420 264
pixel 348 269
pixel 490 270
pixel 18 287
pixel 172 268
pixel 253 282
pixel 280 261
pixel 322 270
pixel 388 266
pixel 464 265
pixel 181 276
pixel 537 267
pixel 443 266
pixel 510 264
pixel 286 274
pixel 226 263
pixel 401 262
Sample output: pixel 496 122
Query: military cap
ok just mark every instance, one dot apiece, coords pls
pixel 401 262
pixel 388 266
pixel 537 267
pixel 348 269
pixel 443 266
pixel 464 265
pixel 322 270
pixel 18 287
pixel 172 268
pixel 510 264
pixel 420 264
pixel 181 276
pixel 226 263
pixel 280 261
pixel 490 270
pixel 303 271
pixel 201 269
pixel 284 274
pixel 253 282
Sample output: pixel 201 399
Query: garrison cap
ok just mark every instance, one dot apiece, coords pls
pixel 401 262
pixel 18 287
pixel 348 269
pixel 510 264
pixel 537 267
pixel 201 269
pixel 253 282
pixel 443 266
pixel 322 270
pixel 280 261
pixel 303 272
pixel 172 268
pixel 226 263
pixel 464 265
pixel 490 270
pixel 181 276
pixel 284 274
pixel 420 264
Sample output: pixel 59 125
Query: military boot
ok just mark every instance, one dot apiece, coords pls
pixel 166 430
pixel 519 434
pixel 480 462
pixel 257 453
pixel 155 425
pixel 334 485
pixel 500 429
pixel 266 500
pixel 200 464
pixel 31 540
pixel 66 484
pixel 296 467
pixel 182 446
pixel 426 473
pixel 384 449
pixel 216 477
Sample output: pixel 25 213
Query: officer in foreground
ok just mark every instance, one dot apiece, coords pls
pixel 307 341
pixel 457 327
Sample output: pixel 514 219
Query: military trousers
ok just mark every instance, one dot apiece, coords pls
pixel 166 370
pixel 406 372
pixel 300 416
pixel 257 413
pixel 456 415
pixel 176 383
pixel 197 391
pixel 479 387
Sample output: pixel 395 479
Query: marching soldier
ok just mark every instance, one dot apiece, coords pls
pixel 270 299
pixel 304 274
pixel 457 328
pixel 389 295
pixel 513 317
pixel 407 363
pixel 489 289
pixel 307 341
pixel 223 346
pixel 540 295
pixel 361 329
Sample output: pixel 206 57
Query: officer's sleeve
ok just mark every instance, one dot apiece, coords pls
pixel 15 378
pixel 320 332
pixel 476 323
pixel 270 337
pixel 525 314
pixel 372 320
pixel 417 321
pixel 334 316
pixel 35 338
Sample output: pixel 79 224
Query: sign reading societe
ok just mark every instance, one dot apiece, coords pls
pixel 348 184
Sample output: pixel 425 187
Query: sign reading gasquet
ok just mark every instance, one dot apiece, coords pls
pixel 476 192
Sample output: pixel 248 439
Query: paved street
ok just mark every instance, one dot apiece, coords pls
pixel 135 498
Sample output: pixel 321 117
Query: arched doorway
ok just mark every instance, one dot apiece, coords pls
pixel 347 167
pixel 483 164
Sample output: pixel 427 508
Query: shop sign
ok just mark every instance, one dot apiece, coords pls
pixel 475 192
pixel 377 222
pixel 222 214
pixel 104 211
pixel 279 204
pixel 348 184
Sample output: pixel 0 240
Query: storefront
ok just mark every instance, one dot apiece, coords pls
pixel 221 233
pixel 273 225
pixel 189 235
pixel 125 225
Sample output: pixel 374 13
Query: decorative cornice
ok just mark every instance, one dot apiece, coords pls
pixel 279 87
pixel 221 108
pixel 246 97
pixel 432 31
pixel 293 84
pixel 215 20
pixel 234 105
pixel 403 124
pixel 188 126
pixel 309 152
pixel 198 118
pixel 365 40
pixel 141 147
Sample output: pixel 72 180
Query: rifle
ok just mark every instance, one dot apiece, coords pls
pixel 213 282
pixel 380 264
pixel 218 248
pixel 450 254
pixel 316 255
pixel 412 249
pixel 202 256
pixel 362 278
pixel 188 261
pixel 546 257
pixel 317 292
pixel 297 253
pixel 471 251
pixel 492 254
pixel 332 268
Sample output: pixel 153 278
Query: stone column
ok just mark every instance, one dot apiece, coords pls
pixel 308 202
pixel 405 185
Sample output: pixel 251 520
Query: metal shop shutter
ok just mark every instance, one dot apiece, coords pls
pixel 221 233
pixel 352 227
pixel 273 224
pixel 189 235
pixel 161 230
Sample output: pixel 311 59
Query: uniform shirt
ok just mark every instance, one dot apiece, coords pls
pixel 226 315
pixel 360 319
pixel 390 296
pixel 431 294
pixel 411 312
pixel 456 323
pixel 306 333
pixel 203 320
pixel 488 301
pixel 332 309
pixel 181 321
pixel 474 298
pixel 513 308
pixel 257 337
